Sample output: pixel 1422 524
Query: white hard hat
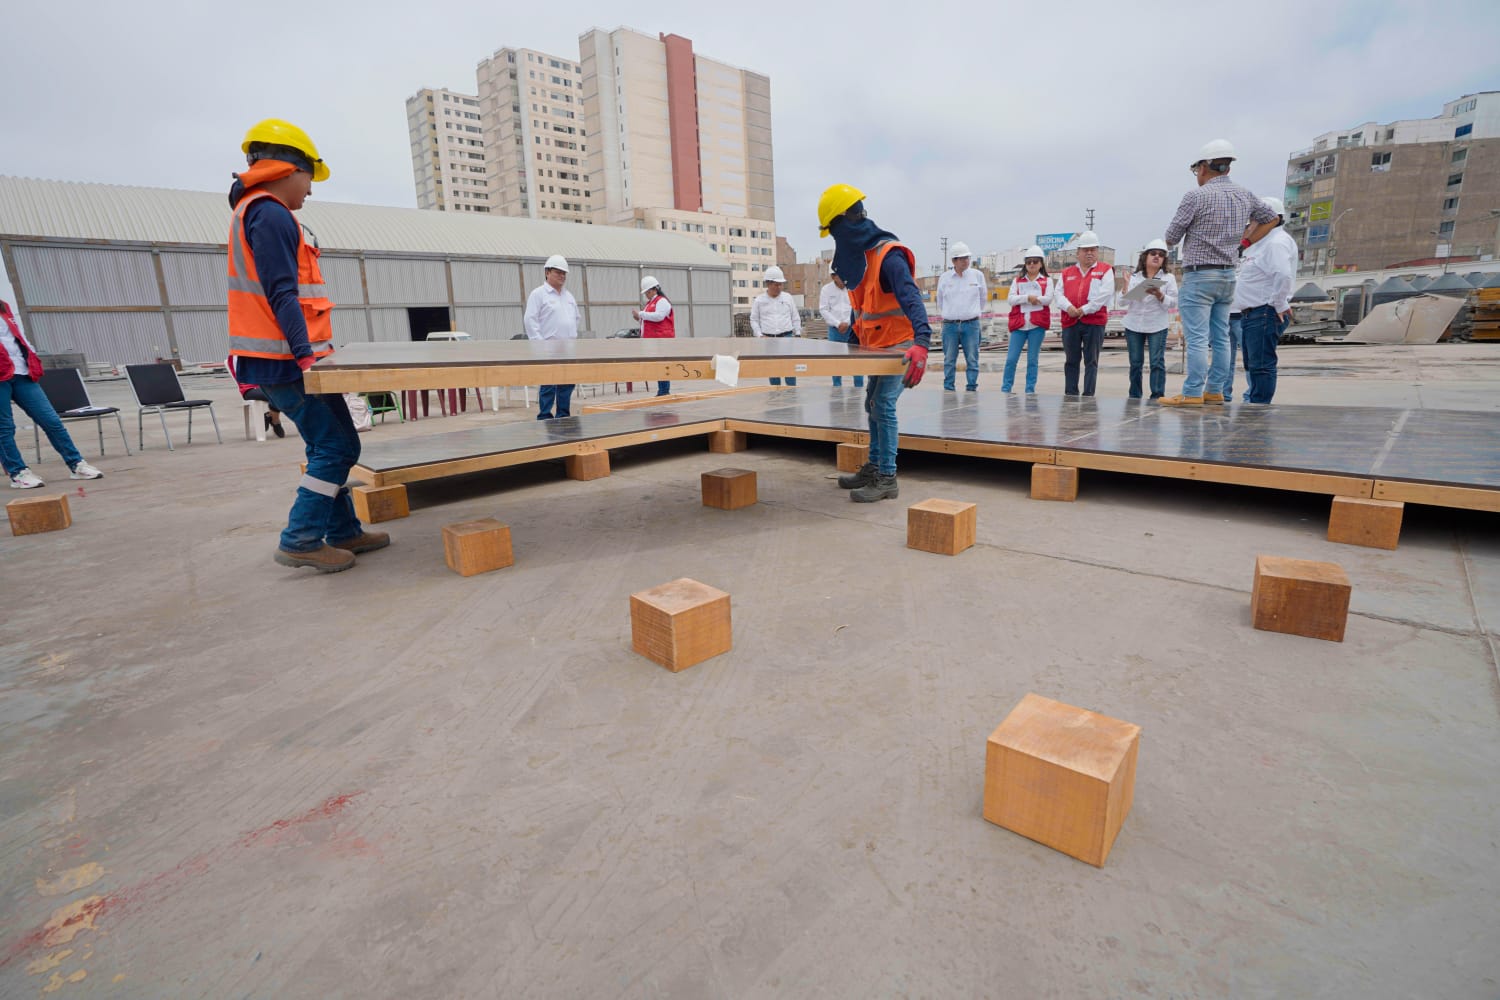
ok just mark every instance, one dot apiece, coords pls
pixel 1274 204
pixel 648 283
pixel 1216 149
pixel 1156 244
pixel 557 262
pixel 773 273
pixel 959 250
pixel 1087 240
pixel 1034 251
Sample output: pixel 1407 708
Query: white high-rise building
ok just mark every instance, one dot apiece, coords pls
pixel 447 151
pixel 533 135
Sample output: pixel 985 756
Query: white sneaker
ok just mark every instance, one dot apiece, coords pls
pixel 26 480
pixel 84 470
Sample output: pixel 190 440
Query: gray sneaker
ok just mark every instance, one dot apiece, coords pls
pixel 864 477
pixel 883 488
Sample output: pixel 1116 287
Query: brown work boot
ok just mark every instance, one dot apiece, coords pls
pixel 1181 401
pixel 325 560
pixel 1213 397
pixel 365 541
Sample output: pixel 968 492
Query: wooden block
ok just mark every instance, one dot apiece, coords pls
pixel 1054 482
pixel 728 442
pixel 373 504
pixel 729 489
pixel 680 623
pixel 592 465
pixel 1061 776
pixel 942 526
pixel 851 457
pixel 1300 597
pixel 1373 523
pixel 477 546
pixel 34 515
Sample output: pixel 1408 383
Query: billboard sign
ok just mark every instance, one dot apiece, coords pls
pixel 1320 211
pixel 1052 242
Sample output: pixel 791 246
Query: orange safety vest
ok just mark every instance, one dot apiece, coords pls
pixel 878 318
pixel 253 330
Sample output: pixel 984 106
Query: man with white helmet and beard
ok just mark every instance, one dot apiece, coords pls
pixel 552 314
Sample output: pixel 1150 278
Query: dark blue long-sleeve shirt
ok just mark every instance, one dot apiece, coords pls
pixel 896 278
pixel 273 234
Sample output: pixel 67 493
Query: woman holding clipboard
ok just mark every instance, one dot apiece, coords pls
pixel 1148 314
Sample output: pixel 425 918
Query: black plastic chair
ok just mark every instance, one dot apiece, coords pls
pixel 66 392
pixel 156 391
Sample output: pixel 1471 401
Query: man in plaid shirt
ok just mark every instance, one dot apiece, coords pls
pixel 1211 221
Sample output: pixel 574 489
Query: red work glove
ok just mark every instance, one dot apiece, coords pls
pixel 916 365
pixel 306 362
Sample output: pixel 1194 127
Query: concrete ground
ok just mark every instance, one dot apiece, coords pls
pixel 223 778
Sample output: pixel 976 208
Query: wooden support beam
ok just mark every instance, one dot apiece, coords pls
pixel 373 504
pixel 473 547
pixel 945 527
pixel 1300 597
pixel 589 465
pixel 1054 482
pixel 681 623
pixel 1375 524
pixel 728 442
pixel 852 457
pixel 729 489
pixel 34 515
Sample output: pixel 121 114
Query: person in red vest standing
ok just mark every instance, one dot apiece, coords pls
pixel 1088 287
pixel 1031 296
pixel 20 383
pixel 656 319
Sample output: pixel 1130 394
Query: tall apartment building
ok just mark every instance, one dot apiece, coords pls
pixel 680 142
pixel 447 151
pixel 534 145
pixel 1377 195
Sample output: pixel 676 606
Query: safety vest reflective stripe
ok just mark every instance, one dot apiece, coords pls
pixel 254 330
pixel 260 345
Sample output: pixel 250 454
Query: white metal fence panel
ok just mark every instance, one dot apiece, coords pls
pixel 350 327
pixel 532 276
pixel 605 320
pixel 202 335
pixel 674 284
pixel 341 275
pixel 406 282
pixel 116 338
pixel 711 321
pixel 86 276
pixel 490 322
pixel 490 282
pixel 710 287
pixel 390 326
pixel 195 279
pixel 613 284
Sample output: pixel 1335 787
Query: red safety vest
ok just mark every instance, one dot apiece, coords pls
pixel 1076 290
pixel 878 318
pixel 253 330
pixel 660 327
pixel 7 366
pixel 1040 317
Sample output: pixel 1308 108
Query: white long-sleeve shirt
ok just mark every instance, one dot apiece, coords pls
pixel 834 305
pixel 1101 292
pixel 961 296
pixel 769 316
pixel 550 314
pixel 1266 273
pixel 658 312
pixel 1023 287
pixel 1149 315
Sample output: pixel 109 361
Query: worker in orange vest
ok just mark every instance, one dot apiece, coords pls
pixel 280 324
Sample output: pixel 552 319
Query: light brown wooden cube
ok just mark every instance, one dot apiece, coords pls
pixel 472 547
pixel 1061 776
pixel 1372 523
pixel 373 504
pixel 1054 482
pixel 942 526
pixel 727 442
pixel 680 623
pixel 590 465
pixel 852 457
pixel 1300 597
pixel 729 489
pixel 34 515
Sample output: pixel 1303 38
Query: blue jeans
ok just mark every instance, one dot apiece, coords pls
pixel 33 402
pixel 1262 330
pixel 662 389
pixel 1032 339
pixel 844 338
pixel 1203 305
pixel 881 393
pixel 323 509
pixel 1138 345
pixel 1236 340
pixel 562 395
pixel 963 332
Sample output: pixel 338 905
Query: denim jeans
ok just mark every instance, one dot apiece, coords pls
pixel 323 509
pixel 1032 340
pixel 1081 341
pixel 29 396
pixel 547 395
pixel 1203 305
pixel 881 393
pixel 847 337
pixel 662 389
pixel 1236 340
pixel 1139 345
pixel 1262 330
pixel 961 333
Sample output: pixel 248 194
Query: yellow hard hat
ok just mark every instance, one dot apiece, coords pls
pixel 835 202
pixel 283 133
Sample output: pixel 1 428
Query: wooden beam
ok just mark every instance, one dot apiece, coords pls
pixel 1467 497
pixel 1209 472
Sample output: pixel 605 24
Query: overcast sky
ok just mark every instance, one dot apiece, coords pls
pixel 985 122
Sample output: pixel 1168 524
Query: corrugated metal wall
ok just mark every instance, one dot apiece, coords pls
pixel 407 282
pixel 202 336
pixel 674 284
pixel 341 275
pixel 712 321
pixel 490 322
pixel 390 325
pixel 350 326
pixel 118 338
pixel 194 279
pixel 711 287
pixel 613 284
pixel 487 282
pixel 74 276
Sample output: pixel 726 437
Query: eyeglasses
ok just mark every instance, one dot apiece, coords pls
pixel 1156 253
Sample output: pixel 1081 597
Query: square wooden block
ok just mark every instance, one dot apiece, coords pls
pixel 729 489
pixel 727 442
pixel 680 623
pixel 1372 523
pixel 34 515
pixel 591 465
pixel 477 546
pixel 1054 482
pixel 851 457
pixel 373 504
pixel 942 526
pixel 1061 776
pixel 1300 597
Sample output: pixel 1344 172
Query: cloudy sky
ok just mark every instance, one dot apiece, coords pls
pixel 985 122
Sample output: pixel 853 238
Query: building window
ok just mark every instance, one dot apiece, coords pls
pixel 1463 130
pixel 1459 156
pixel 1466 106
pixel 1445 228
pixel 1450 204
pixel 1454 180
pixel 1380 163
